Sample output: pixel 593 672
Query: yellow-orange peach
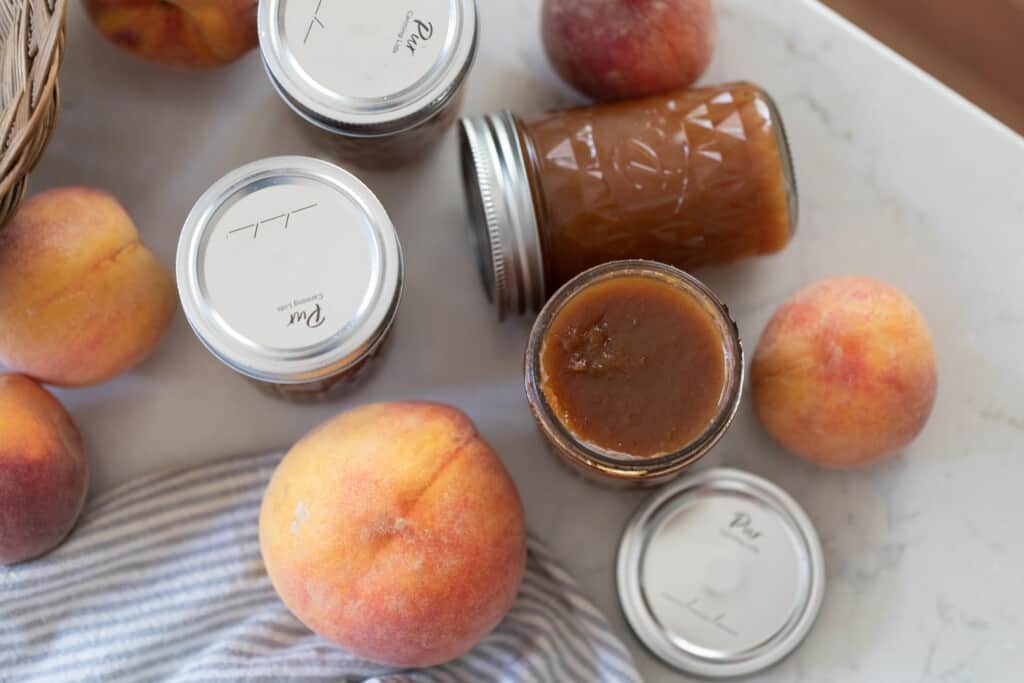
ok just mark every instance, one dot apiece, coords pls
pixel 81 299
pixel 395 531
pixel 845 372
pixel 43 472
pixel 185 33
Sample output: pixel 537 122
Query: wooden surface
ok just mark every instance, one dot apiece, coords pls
pixel 976 47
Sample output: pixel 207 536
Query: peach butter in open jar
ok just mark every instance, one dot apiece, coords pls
pixel 634 371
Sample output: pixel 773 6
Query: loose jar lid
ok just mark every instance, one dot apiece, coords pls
pixel 721 574
pixel 289 269
pixel 367 68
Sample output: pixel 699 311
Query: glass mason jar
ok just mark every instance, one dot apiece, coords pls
pixel 634 371
pixel 290 273
pixel 379 83
pixel 689 178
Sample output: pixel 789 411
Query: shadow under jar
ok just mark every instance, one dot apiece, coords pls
pixel 290 273
pixel 634 371
pixel 690 178
pixel 379 83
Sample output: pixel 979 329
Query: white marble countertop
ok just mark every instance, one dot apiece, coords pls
pixel 900 179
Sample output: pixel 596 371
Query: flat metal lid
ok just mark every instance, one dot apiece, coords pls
pixel 367 67
pixel 721 574
pixel 289 268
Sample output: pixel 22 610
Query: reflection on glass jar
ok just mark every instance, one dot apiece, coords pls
pixel 290 273
pixel 689 178
pixel 634 371
pixel 378 83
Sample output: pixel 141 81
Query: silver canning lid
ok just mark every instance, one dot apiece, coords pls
pixel 721 574
pixel 367 68
pixel 289 270
pixel 503 220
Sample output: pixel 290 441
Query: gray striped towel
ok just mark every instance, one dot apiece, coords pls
pixel 162 580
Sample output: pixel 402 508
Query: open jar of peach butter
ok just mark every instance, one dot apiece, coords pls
pixel 689 178
pixel 634 371
pixel 290 273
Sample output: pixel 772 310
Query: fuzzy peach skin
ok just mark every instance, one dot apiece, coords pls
pixel 618 49
pixel 81 299
pixel 43 472
pixel 845 372
pixel 184 33
pixel 394 531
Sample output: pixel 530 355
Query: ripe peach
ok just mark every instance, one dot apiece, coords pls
pixel 81 300
pixel 845 372
pixel 43 472
pixel 617 49
pixel 395 531
pixel 185 33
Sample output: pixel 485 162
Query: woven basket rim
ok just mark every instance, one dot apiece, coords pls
pixel 32 111
pixel 26 131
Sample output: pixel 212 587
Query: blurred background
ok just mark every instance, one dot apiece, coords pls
pixel 975 47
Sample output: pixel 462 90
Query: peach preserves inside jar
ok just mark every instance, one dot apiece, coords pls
pixel 634 365
pixel 689 178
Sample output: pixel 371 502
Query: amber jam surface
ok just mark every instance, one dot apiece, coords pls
pixel 689 178
pixel 634 365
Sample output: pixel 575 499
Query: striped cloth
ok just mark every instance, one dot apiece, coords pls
pixel 162 580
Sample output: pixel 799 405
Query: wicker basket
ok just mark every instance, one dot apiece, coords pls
pixel 31 47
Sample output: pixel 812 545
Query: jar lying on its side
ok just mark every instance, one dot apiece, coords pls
pixel 379 83
pixel 634 371
pixel 689 178
pixel 290 273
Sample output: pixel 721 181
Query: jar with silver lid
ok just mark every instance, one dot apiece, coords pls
pixel 689 178
pixel 290 273
pixel 379 83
